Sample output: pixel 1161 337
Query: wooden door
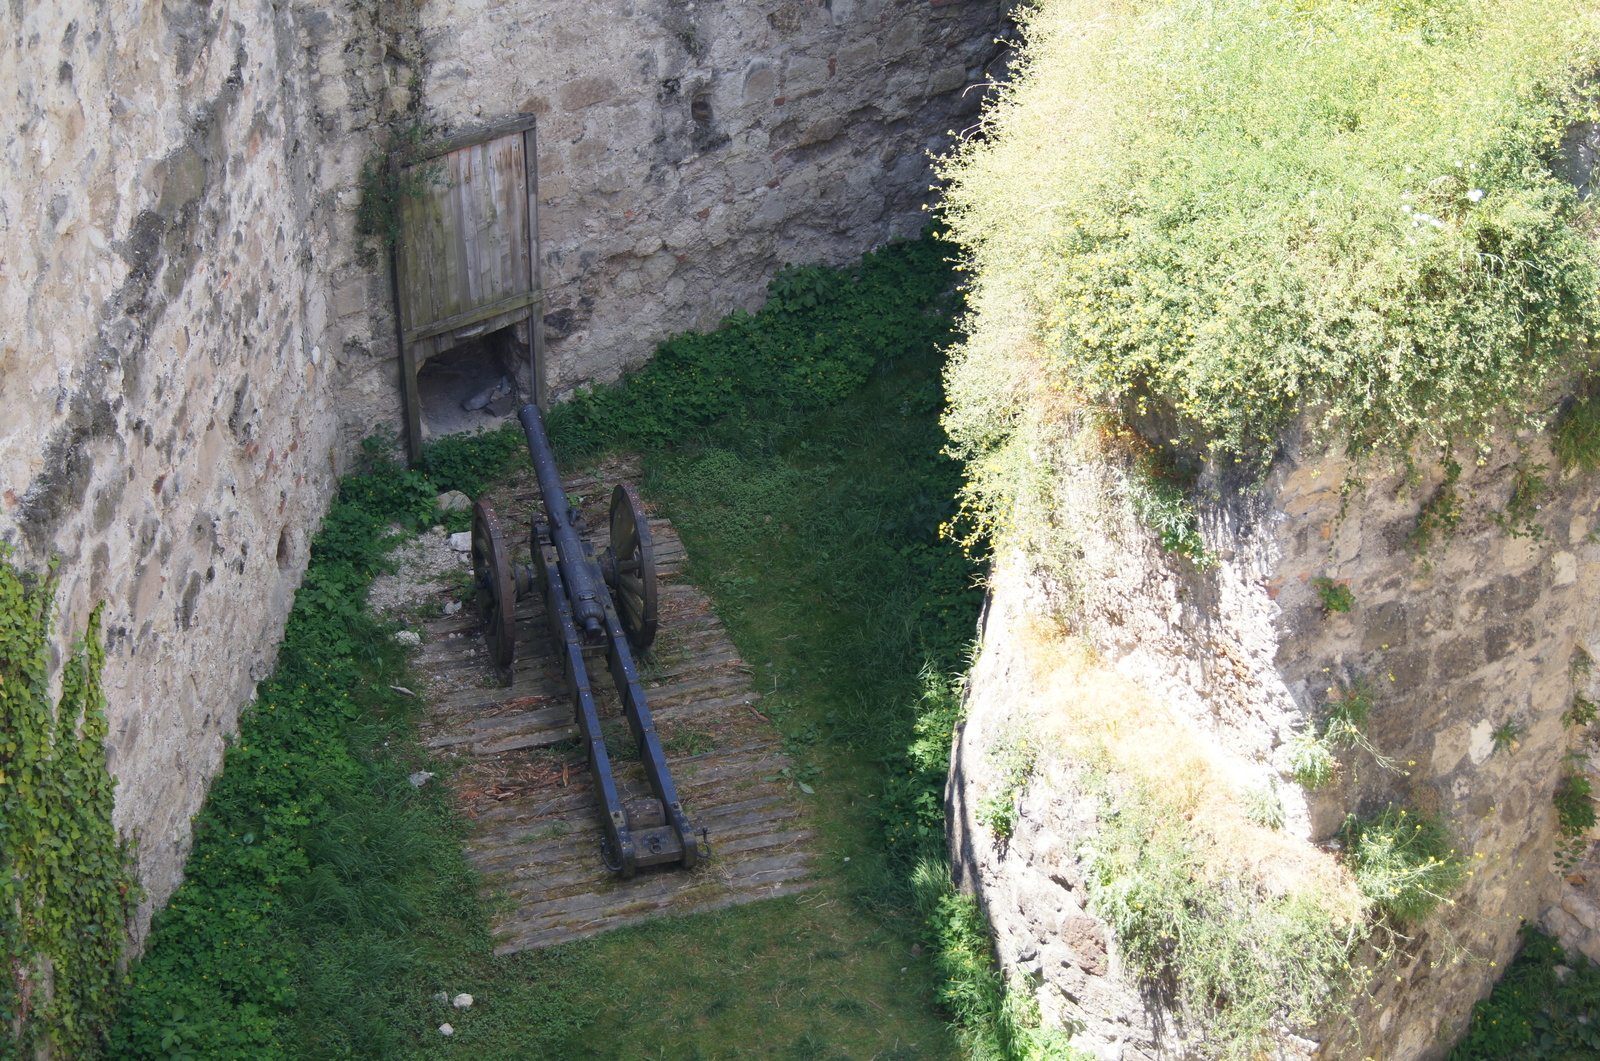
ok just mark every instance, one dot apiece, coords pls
pixel 466 260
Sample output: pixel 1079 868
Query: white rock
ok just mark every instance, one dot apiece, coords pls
pixel 452 608
pixel 455 501
pixel 1482 742
pixel 461 1001
pixel 461 541
pixel 441 997
pixel 445 1029
pixel 418 779
pixel 408 637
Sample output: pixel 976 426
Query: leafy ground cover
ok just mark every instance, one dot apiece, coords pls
pixel 1259 207
pixel 1543 1009
pixel 327 905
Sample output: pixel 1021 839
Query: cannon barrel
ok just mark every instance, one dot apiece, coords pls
pixel 583 588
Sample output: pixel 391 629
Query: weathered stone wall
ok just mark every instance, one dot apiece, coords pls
pixel 178 192
pixel 196 337
pixel 688 150
pixel 1484 628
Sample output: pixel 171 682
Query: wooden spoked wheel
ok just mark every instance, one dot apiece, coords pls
pixel 631 567
pixel 494 588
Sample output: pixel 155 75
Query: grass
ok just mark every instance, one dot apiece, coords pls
pixel 814 522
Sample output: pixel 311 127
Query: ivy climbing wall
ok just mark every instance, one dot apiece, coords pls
pixel 177 202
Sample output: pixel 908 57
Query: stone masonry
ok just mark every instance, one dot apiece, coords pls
pixel 1494 624
pixel 196 338
pixel 689 149
pixel 178 192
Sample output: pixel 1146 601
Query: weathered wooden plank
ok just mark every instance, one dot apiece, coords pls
pixel 540 846
pixel 509 127
pixel 552 937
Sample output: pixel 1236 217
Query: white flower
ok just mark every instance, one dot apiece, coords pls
pixel 461 1001
pixel 445 1029
pixel 1476 195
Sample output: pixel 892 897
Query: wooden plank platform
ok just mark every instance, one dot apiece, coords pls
pixel 525 785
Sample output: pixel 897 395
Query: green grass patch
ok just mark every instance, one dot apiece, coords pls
pixel 1543 1009
pixel 798 451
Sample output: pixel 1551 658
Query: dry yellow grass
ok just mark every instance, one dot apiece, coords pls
pixel 1087 712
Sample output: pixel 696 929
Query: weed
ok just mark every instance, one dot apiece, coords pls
pixel 688 742
pixel 67 885
pixel 1312 264
pixel 1519 519
pixel 461 585
pixel 1166 508
pixel 1311 763
pixel 469 462
pixel 1577 433
pixel 1439 516
pixel 1507 734
pixel 1581 713
pixel 1250 961
pixel 1312 756
pixel 1541 1010
pixel 1000 1025
pixel 1014 760
pixel 1335 596
pixel 1265 807
pixel 1575 816
pixel 383 189
pixel 1406 862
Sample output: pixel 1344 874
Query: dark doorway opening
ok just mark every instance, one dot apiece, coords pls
pixel 476 384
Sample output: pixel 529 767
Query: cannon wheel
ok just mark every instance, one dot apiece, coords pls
pixel 495 591
pixel 632 566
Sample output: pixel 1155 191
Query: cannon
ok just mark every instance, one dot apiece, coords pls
pixel 603 607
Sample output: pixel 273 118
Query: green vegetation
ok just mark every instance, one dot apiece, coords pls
pixel 1313 758
pixel 383 189
pixel 1335 596
pixel 1507 734
pixel 757 372
pixel 1439 516
pixel 1575 816
pixel 1264 806
pixel 66 883
pixel 1014 761
pixel 806 477
pixel 1248 959
pixel 1581 713
pixel 1404 861
pixel 1577 433
pixel 1001 1027
pixel 1199 220
pixel 1541 1010
pixel 1519 519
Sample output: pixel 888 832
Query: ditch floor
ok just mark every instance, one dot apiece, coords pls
pixel 523 783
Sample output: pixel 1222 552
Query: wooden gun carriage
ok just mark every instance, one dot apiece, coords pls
pixel 598 607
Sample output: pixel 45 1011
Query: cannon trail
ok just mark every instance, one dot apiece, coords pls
pixel 525 784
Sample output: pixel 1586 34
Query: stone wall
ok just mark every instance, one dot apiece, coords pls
pixel 1488 626
pixel 689 149
pixel 198 337
pixel 179 189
